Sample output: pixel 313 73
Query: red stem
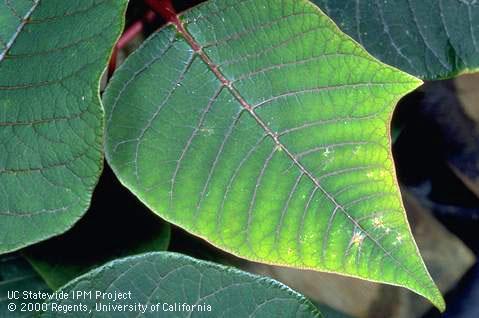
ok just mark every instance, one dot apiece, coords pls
pixel 165 9
pixel 128 35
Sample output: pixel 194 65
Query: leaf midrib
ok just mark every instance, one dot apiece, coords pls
pixel 19 29
pixel 198 49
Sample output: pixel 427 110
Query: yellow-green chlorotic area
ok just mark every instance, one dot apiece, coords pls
pixel 263 129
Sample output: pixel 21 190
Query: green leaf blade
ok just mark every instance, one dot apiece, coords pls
pixel 169 278
pixel 51 118
pixel 16 275
pixel 431 39
pixel 268 146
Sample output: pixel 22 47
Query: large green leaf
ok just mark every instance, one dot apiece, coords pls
pixel 265 130
pixel 16 275
pixel 159 280
pixel 429 38
pixel 52 54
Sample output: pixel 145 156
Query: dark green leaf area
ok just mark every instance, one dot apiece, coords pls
pixel 163 280
pixel 431 39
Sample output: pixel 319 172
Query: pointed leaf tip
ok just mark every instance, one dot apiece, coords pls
pixel 271 141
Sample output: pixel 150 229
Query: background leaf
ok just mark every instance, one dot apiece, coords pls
pixel 172 278
pixel 265 130
pixel 431 39
pixel 17 275
pixel 52 54
pixel 105 232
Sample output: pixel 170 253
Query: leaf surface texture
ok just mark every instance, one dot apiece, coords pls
pixel 169 278
pixel 431 39
pixel 265 130
pixel 52 54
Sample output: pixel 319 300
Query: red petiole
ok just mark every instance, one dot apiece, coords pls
pixel 129 34
pixel 165 9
